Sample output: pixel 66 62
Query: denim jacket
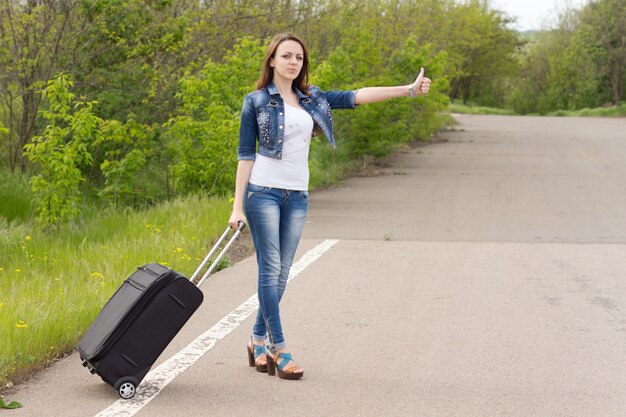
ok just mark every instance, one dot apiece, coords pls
pixel 263 118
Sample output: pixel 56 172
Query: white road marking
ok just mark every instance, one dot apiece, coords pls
pixel 159 377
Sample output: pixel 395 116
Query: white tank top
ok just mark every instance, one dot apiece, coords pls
pixel 292 171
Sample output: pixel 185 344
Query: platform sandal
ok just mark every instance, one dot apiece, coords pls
pixel 278 362
pixel 254 351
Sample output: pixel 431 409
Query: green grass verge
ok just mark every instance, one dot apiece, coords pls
pixel 328 166
pixel 470 109
pixel 597 112
pixel 53 285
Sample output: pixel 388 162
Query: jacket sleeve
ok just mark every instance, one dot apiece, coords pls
pixel 341 99
pixel 248 132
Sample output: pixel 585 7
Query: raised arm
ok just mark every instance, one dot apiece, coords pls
pixel 374 94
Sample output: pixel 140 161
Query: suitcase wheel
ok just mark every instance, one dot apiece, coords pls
pixel 127 390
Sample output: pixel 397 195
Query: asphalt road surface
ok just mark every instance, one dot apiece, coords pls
pixel 484 275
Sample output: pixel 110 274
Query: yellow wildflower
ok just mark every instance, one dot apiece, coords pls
pixel 232 200
pixel 179 250
pixel 186 257
pixel 27 238
pixel 21 325
pixel 18 270
pixel 96 275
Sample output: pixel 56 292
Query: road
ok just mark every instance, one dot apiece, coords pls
pixel 483 275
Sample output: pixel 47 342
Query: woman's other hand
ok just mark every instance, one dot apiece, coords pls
pixel 236 217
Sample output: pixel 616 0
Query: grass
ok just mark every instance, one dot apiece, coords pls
pixel 328 166
pixel 15 197
pixel 471 109
pixel 53 285
pixel 613 111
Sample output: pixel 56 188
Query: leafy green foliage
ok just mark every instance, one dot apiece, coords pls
pixel 374 130
pixel 169 77
pixel 33 37
pixel 10 406
pixel 576 65
pixel 61 151
pixel 131 54
pixel 203 136
pixel 124 158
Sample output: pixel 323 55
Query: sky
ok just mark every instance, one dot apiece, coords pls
pixel 534 14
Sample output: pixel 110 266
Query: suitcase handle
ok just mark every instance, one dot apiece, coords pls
pixel 242 226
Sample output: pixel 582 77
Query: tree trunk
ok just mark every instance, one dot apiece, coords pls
pixel 618 86
pixel 26 127
pixel 467 90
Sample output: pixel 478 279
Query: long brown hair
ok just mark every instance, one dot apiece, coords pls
pixel 267 74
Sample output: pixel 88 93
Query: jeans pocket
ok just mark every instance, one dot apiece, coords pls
pixel 256 189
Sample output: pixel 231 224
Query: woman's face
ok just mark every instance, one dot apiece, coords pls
pixel 287 61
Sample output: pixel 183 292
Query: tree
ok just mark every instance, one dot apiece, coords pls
pixel 123 160
pixel 61 151
pixel 32 38
pixel 203 135
pixel 578 64
pixel 603 29
pixel 482 49
pixel 130 54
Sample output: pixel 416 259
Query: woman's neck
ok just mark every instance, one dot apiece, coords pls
pixel 285 87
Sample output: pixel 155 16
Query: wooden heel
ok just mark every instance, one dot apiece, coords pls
pixel 254 351
pixel 278 362
pixel 250 357
pixel 271 366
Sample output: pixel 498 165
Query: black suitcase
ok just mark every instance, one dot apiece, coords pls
pixel 140 319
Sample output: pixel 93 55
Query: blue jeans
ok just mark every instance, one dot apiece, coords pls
pixel 276 219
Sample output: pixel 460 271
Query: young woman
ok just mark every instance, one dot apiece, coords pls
pixel 272 181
